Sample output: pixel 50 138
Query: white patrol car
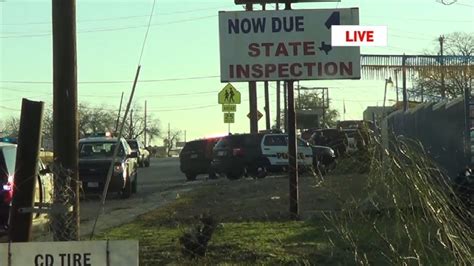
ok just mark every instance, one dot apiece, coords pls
pixel 275 149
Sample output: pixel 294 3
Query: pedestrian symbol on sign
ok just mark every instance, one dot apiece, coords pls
pixel 229 95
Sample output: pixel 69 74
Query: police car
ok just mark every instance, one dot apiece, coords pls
pixel 275 149
pixel 256 154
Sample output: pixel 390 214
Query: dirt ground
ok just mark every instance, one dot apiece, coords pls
pixel 268 199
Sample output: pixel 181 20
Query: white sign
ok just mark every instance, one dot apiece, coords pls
pixel 72 253
pixel 286 45
pixel 342 35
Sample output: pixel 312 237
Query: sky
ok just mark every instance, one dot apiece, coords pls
pixel 179 78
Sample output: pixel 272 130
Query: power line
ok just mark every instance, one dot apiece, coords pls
pixel 110 29
pixel 111 81
pixel 117 18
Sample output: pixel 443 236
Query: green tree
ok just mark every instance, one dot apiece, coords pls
pixel 312 100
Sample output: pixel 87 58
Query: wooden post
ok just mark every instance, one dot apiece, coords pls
pixel 26 170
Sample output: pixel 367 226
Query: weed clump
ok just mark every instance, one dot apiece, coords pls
pixel 194 242
pixel 410 215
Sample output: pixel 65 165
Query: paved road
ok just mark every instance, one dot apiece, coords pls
pixel 159 184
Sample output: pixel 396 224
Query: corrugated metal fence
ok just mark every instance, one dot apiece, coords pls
pixel 439 127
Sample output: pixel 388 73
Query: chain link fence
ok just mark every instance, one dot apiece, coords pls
pixel 63 222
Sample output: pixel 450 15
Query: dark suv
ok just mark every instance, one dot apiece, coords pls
pixel 95 157
pixel 238 155
pixel 196 157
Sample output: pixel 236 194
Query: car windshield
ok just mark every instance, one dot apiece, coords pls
pixel 95 150
pixel 133 144
pixel 7 161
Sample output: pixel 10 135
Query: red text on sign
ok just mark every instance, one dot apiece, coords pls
pixel 282 49
pixel 360 36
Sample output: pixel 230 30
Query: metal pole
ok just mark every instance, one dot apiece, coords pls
pixel 285 105
pixel 292 152
pixel 396 83
pixel 384 96
pixel 26 170
pixel 144 131
pixel 118 116
pixel 404 84
pixel 267 106
pixel 65 129
pixel 252 96
pixel 324 111
pixel 443 89
pixel 278 113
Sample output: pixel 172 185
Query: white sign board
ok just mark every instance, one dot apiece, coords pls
pixel 72 253
pixel 286 45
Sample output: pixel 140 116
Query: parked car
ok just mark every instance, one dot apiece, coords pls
pixel 324 158
pixel 95 158
pixel 143 153
pixel 196 156
pixel 43 189
pixel 256 154
pixel 331 137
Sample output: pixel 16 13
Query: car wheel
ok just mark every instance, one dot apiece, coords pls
pixel 127 190
pixel 235 174
pixel 212 174
pixel 190 176
pixel 135 183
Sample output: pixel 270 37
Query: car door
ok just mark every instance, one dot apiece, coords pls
pixel 305 153
pixel 275 148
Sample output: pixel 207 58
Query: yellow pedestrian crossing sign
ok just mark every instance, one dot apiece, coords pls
pixel 229 95
pixel 229 118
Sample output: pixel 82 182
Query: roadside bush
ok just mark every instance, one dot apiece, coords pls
pixel 410 215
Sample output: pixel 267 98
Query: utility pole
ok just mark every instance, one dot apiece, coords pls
pixel 169 139
pixel 130 134
pixel 443 88
pixel 26 171
pixel 252 95
pixel 65 128
pixel 144 131
pixel 118 116
pixel 185 136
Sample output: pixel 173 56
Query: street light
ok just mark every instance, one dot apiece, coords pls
pixel 387 82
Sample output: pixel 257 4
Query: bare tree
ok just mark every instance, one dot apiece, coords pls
pixel 170 141
pixel 11 126
pixel 429 82
pixel 134 127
